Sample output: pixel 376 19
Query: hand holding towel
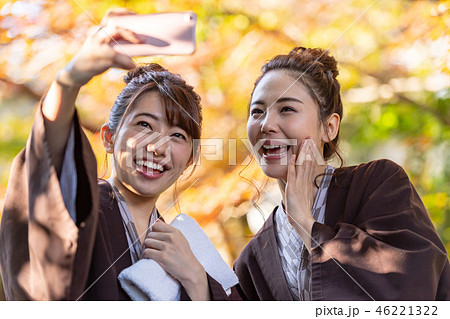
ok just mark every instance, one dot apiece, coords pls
pixel 147 280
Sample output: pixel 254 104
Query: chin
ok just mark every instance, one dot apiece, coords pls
pixel 275 171
pixel 151 189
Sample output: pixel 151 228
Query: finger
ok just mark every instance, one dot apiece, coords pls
pixel 301 156
pixel 112 34
pixel 318 158
pixel 114 13
pixel 156 255
pixel 159 236
pixel 291 169
pixel 123 62
pixel 128 35
pixel 308 149
pixel 119 12
pixel 160 226
pixel 308 164
pixel 154 244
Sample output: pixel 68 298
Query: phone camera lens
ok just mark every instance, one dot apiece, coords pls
pixel 189 17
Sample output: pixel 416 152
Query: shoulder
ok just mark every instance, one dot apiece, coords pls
pixel 106 195
pixel 374 172
pixel 103 186
pixel 381 166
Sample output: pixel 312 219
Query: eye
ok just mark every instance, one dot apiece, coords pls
pixel 287 109
pixel 256 111
pixel 144 124
pixel 180 136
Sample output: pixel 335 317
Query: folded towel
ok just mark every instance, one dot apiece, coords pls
pixel 147 280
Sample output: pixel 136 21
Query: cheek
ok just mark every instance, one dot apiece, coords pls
pixel 252 131
pixel 124 145
pixel 181 154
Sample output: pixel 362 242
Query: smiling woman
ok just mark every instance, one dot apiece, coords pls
pixel 66 235
pixel 346 233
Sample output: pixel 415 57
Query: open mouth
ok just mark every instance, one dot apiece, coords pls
pixel 275 151
pixel 149 168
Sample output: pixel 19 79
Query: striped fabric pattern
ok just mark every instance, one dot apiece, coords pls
pixel 134 243
pixel 294 256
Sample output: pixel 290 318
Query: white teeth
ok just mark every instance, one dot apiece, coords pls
pixel 270 147
pixel 151 165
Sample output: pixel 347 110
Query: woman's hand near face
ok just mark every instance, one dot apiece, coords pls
pixel 170 249
pixel 95 57
pixel 300 191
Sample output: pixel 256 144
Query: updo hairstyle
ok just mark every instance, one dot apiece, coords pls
pixel 316 70
pixel 181 102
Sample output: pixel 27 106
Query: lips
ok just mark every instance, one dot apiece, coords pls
pixel 150 169
pixel 273 151
pixel 150 165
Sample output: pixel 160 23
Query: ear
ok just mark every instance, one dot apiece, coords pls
pixel 331 127
pixel 107 138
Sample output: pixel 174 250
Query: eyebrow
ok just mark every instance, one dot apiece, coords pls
pixel 153 116
pixel 280 100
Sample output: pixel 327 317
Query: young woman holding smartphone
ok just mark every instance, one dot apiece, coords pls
pixel 64 234
pixel 346 233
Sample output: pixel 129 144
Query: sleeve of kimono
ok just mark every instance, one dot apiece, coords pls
pixel 216 292
pixel 389 251
pixel 68 178
pixel 245 281
pixel 45 255
pixel 249 276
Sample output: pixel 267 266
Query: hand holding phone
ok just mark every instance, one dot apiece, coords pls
pixel 169 33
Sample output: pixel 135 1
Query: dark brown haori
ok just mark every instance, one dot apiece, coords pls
pixel 377 242
pixel 44 255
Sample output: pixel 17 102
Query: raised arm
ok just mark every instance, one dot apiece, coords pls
pixel 95 57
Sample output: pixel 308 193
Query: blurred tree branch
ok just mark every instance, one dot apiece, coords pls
pixel 383 77
pixel 22 88
pixel 36 96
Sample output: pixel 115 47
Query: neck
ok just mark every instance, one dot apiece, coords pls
pixel 319 170
pixel 140 207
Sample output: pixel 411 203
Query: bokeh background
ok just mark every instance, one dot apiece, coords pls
pixel 394 72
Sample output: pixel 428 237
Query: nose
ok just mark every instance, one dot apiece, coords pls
pixel 159 147
pixel 268 124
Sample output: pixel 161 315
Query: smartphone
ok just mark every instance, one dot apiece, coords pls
pixel 167 33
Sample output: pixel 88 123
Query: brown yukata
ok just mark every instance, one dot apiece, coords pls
pixel 377 242
pixel 44 255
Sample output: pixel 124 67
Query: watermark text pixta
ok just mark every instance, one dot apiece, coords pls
pixel 212 149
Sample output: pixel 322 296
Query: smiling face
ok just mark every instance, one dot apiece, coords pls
pixel 149 154
pixel 282 113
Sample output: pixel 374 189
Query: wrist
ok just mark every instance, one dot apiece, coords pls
pixel 67 77
pixel 303 227
pixel 303 224
pixel 196 284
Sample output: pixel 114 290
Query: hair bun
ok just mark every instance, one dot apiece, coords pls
pixel 311 56
pixel 148 68
pixel 297 50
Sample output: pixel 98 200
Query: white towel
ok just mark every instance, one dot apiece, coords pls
pixel 147 280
